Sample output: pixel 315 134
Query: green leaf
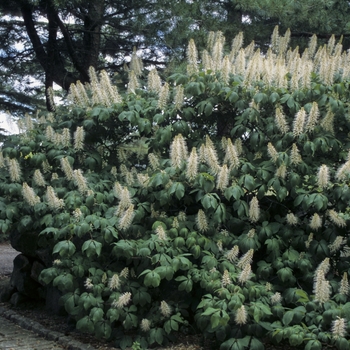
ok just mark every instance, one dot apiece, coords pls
pixel 248 182
pixel 141 297
pixel 96 314
pixel 178 188
pixel 158 335
pixel 304 298
pixel 152 279
pixel 64 248
pixel 342 344
pixel 274 97
pixel 91 247
pixel 256 344
pixel 165 272
pixel 233 97
pixel 186 285
pixel 285 274
pixel 85 324
pixel 288 317
pixel 209 311
pixel 215 319
pixel 296 339
pixel 103 329
pixel 208 109
pixel 47 275
pixel 236 344
pixel 125 342
pixel 313 345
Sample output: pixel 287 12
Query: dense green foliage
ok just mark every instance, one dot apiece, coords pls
pixel 246 238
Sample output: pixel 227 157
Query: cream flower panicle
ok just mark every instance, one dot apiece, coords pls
pixel 79 137
pixel 178 151
pixel 136 63
pixel 271 150
pixel 52 200
pixel 13 169
pixel 80 181
pixel 165 309
pixel 226 69
pixel 182 216
pixel 322 288
pixel 246 259
pixel 312 118
pixel 343 172
pixel 202 222
pixel 179 97
pixel 2 160
pixel 77 214
pixel 192 165
pixel 66 168
pixel 315 222
pixel 336 218
pixel 153 160
pixel 309 240
pixel 323 176
pixel 299 121
pixel 124 273
pixel 245 274
pixel 241 316
pixel 65 138
pixel 133 82
pixel 254 210
pixel 126 219
pixel 344 285
pixel 46 166
pixel 123 300
pixel 39 178
pixel 29 195
pixel 50 133
pixel 232 254
pixel 145 325
pixel 88 284
pixel 337 244
pixel 339 328
pixel 327 123
pixel 161 234
pixel 281 121
pixel 123 194
pixel 291 219
pixel 276 298
pixel 154 82
pixel 232 154
pixel 281 171
pixel 114 282
pixel 211 158
pixel 226 279
pixel 163 96
pixel 192 58
pixel 222 178
pixel 295 156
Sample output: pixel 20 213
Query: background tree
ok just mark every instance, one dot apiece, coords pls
pixel 56 41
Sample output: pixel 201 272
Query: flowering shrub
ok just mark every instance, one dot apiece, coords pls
pixel 217 199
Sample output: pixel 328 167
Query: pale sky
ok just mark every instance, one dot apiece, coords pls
pixel 8 124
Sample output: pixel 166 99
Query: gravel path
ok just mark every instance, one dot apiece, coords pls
pixel 7 254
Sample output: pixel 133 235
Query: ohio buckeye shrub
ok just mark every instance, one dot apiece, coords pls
pixel 213 201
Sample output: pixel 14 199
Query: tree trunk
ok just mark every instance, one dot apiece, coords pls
pixel 92 33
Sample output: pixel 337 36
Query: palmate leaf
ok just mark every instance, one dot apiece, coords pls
pixel 64 248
